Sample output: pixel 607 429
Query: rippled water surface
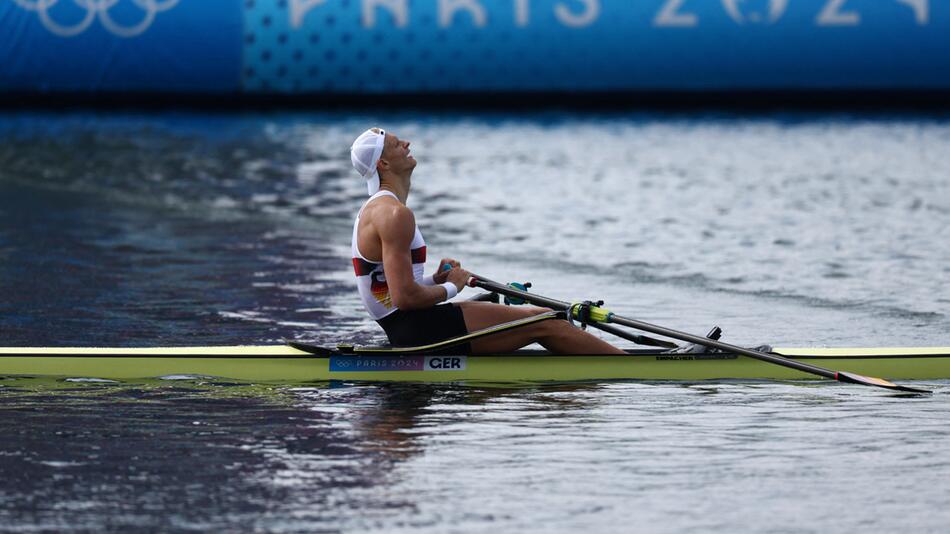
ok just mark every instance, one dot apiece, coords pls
pixel 184 229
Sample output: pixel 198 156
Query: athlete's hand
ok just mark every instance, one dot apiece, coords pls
pixel 442 274
pixel 459 277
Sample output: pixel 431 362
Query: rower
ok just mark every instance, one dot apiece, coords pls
pixel 389 255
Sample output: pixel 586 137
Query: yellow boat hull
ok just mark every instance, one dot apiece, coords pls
pixel 281 363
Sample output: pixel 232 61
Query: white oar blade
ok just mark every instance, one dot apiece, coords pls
pixel 873 381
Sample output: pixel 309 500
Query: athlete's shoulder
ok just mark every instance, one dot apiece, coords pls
pixel 393 219
pixel 392 211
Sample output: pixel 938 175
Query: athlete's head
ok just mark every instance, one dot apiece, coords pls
pixel 377 152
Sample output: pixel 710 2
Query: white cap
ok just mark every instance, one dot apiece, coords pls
pixel 365 154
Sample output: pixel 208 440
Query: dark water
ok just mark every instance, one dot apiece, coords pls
pixel 183 229
pixel 635 457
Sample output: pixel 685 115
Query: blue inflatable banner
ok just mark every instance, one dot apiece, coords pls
pixel 420 46
pixel 120 45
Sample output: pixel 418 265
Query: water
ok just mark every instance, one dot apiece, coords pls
pixel 184 229
pixel 639 457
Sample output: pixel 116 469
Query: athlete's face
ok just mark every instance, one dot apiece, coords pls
pixel 396 156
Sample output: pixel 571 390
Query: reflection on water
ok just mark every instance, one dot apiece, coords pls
pixel 201 454
pixel 183 456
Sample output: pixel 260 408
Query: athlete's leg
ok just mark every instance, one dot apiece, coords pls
pixel 555 335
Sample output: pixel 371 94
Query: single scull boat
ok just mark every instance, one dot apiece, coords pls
pixel 284 363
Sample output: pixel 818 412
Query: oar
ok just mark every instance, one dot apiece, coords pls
pixel 602 315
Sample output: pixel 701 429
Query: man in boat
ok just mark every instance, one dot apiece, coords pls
pixel 389 256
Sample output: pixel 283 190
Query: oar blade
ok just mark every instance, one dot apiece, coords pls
pixel 855 378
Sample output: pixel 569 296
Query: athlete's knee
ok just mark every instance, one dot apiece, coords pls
pixel 541 330
pixel 554 328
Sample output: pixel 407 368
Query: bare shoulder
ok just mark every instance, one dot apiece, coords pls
pixel 392 219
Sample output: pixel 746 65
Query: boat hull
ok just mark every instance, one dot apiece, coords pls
pixel 279 363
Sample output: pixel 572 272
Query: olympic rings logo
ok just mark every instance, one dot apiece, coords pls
pixel 94 9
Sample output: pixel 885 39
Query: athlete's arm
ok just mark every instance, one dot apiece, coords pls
pixel 396 225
